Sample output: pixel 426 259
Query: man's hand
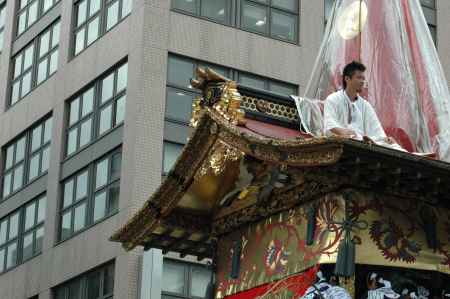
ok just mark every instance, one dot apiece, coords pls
pixel 344 132
pixel 390 140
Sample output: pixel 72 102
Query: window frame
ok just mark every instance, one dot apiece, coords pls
pixel 432 25
pixel 33 68
pixel 2 26
pixel 187 275
pixel 27 157
pixel 164 172
pixel 102 15
pixel 10 241
pixel 47 56
pixel 425 4
pixel 89 198
pixel 235 9
pixel 269 7
pixel 22 232
pixel 37 225
pixel 82 283
pixel 94 116
pixel 198 12
pixel 39 14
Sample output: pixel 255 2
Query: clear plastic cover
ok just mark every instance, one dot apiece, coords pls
pixel 405 81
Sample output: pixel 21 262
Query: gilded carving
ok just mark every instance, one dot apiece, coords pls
pixel 220 95
pixel 218 158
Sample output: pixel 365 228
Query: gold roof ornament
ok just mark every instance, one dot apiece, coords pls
pixel 352 20
pixel 219 94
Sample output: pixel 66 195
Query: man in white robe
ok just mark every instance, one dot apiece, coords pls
pixel 378 288
pixel 347 114
pixel 324 290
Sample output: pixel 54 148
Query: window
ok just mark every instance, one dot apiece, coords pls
pixel 184 280
pixel 2 24
pixel 22 233
pixel 27 157
pixel 30 11
pixel 429 10
pixel 96 284
pixel 171 152
pixel 97 110
pixel 180 94
pixel 275 18
pixel 216 10
pixel 35 63
pixel 91 195
pixel 328 7
pixel 93 18
pixel 33 231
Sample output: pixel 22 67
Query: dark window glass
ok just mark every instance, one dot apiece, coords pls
pixel 216 10
pixel 97 110
pixel 179 105
pixel 27 157
pixel 428 3
pixel 21 234
pixel 29 11
pixel 180 71
pixel 2 24
pixel 328 8
pixel 91 195
pixel 108 281
pixel 174 277
pixel 252 81
pixel 282 88
pixel 254 17
pixel 433 33
pixel 200 277
pixel 186 5
pixel 35 63
pixel 275 18
pixel 95 284
pixel 429 11
pixel 184 280
pixel 283 25
pixel 171 153
pixel 93 18
pixel 291 5
pixel 34 228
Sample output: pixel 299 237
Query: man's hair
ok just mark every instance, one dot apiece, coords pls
pixel 350 69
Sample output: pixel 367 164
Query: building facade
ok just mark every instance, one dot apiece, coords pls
pixel 95 102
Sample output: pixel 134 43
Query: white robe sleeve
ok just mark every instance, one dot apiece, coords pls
pixel 309 294
pixel 331 117
pixel 374 130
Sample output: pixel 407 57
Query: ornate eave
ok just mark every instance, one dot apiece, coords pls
pixel 186 213
pixel 210 131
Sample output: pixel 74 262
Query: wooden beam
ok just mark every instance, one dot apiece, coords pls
pixel 190 222
pixel 178 241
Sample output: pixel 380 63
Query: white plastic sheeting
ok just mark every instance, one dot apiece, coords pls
pixel 405 81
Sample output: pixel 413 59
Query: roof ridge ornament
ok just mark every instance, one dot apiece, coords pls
pixel 219 95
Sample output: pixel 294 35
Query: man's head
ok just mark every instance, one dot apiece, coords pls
pixel 353 76
pixel 334 280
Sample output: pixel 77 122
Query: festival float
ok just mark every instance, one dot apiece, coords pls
pixel 269 199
